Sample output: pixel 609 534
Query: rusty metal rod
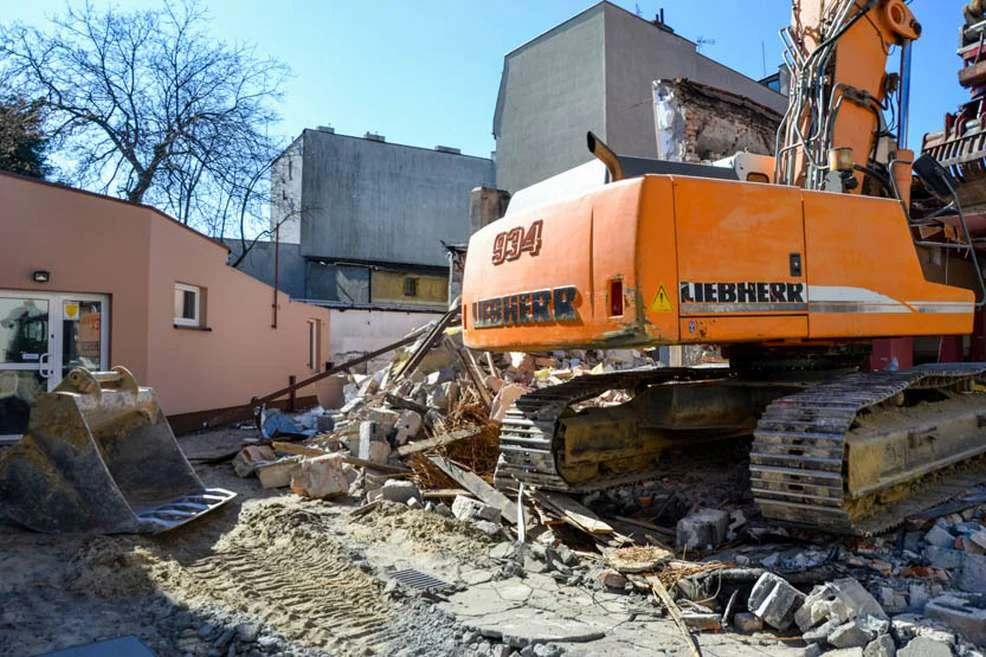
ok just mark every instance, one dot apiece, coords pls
pixel 411 337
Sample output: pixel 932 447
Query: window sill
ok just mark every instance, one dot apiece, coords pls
pixel 192 328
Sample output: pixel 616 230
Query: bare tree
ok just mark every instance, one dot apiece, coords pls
pixel 147 106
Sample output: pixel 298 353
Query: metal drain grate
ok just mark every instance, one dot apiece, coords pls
pixel 419 580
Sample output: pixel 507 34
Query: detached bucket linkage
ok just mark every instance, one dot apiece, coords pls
pixel 100 457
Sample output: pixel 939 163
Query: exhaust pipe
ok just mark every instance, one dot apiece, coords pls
pixel 606 155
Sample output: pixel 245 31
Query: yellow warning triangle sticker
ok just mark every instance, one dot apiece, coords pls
pixel 662 302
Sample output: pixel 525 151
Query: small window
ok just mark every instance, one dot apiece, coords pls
pixel 313 344
pixel 187 305
pixel 410 287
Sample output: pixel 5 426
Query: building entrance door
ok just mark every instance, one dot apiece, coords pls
pixel 42 336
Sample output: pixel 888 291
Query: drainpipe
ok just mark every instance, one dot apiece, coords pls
pixel 277 250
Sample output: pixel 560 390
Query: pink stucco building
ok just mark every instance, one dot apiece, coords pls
pixel 91 280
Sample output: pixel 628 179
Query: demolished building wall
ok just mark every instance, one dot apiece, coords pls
pixel 695 122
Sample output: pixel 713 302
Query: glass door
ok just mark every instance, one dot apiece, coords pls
pixel 82 341
pixel 25 354
pixel 42 337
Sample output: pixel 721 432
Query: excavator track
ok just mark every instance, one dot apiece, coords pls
pixel 528 435
pixel 799 459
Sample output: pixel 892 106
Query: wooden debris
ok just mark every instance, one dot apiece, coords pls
pixel 475 485
pixel 443 493
pixel 637 558
pixel 434 335
pixel 661 593
pixel 295 448
pixel 373 465
pixel 574 513
pixel 438 441
pixel 361 511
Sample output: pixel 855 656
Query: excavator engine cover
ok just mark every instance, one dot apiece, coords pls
pixel 100 457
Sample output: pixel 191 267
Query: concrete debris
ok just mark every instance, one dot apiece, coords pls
pixel 882 646
pixel 973 577
pixel 247 460
pixel 277 474
pixel 939 536
pixel 858 632
pixel 466 508
pixel 408 425
pixel 704 530
pixel 943 557
pixel 611 579
pixel 840 601
pixel 925 647
pixel 320 477
pixel 402 492
pixel 775 601
pixel 965 613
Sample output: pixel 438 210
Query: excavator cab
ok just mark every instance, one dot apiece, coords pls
pixel 100 457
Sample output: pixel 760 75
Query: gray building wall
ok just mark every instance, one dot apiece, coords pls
pixel 551 93
pixel 343 284
pixel 285 203
pixel 372 201
pixel 259 263
pixel 594 72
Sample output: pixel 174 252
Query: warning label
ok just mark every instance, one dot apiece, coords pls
pixel 662 303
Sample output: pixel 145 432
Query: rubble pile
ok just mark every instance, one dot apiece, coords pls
pixel 422 432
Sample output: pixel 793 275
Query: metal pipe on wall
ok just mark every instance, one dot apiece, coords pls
pixel 277 251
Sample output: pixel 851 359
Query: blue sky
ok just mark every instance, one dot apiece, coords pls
pixel 425 72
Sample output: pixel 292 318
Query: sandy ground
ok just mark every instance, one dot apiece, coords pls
pixel 275 574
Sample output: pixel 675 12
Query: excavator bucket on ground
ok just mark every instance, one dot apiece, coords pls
pixel 100 457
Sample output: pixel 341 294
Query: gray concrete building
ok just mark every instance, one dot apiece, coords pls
pixel 595 72
pixel 367 218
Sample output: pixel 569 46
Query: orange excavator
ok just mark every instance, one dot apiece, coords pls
pixel 793 265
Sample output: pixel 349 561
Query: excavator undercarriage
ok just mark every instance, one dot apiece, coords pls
pixel 847 453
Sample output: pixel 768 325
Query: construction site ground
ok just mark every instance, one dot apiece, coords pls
pixel 277 574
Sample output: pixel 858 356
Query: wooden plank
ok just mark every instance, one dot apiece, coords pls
pixel 661 593
pixel 294 448
pixel 436 332
pixel 443 493
pixel 382 467
pixel 579 515
pixel 363 510
pixel 478 376
pixel 444 439
pixel 475 485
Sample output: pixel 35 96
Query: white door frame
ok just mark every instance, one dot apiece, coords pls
pixel 50 364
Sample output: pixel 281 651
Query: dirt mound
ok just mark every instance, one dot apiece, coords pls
pixel 111 568
pixel 428 532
